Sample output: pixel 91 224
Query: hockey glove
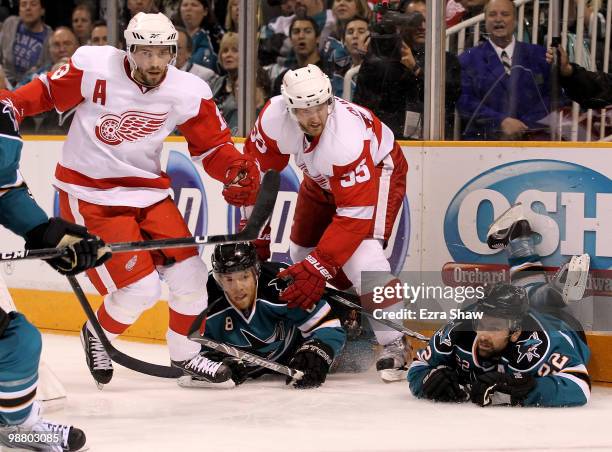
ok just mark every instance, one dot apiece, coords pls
pixel 262 243
pixel 241 183
pixel 84 250
pixel 308 279
pixel 442 385
pixel 513 390
pixel 314 359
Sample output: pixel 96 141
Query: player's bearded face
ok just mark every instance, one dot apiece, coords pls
pixel 492 336
pixel 151 63
pixel 312 120
pixel 239 287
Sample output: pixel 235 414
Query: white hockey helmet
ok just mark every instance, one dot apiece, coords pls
pixel 150 30
pixel 306 87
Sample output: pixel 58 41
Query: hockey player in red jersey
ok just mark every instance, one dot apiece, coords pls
pixel 353 187
pixel 110 180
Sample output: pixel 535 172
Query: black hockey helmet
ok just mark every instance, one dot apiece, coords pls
pixel 507 302
pixel 234 257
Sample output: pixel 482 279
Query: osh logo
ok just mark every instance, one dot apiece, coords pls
pixel 131 126
pixel 568 204
pixel 282 220
pixel 187 191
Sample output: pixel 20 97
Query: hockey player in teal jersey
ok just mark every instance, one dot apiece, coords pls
pixel 20 341
pixel 248 314
pixel 525 350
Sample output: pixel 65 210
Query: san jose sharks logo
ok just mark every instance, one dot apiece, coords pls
pixel 278 284
pixel 445 334
pixel 528 348
pixel 267 346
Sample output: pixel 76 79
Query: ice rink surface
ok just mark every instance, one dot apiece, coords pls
pixel 351 412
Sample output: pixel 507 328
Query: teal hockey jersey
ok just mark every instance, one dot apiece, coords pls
pixel 548 349
pixel 271 329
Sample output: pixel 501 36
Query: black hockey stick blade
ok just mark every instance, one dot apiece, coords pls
pixel 137 365
pixel 345 299
pixel 245 356
pixel 262 211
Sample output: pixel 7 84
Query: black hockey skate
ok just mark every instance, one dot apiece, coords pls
pixel 203 372
pixel 509 225
pixel 98 361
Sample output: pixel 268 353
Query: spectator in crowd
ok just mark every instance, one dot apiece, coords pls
pixel 505 89
pixel 335 55
pixel 323 17
pixel 589 89
pixel 315 9
pixel 82 23
pixel 24 41
pixel 99 34
pixel 224 88
pixel 193 15
pixel 356 35
pixel 62 45
pixel 304 35
pixel 345 10
pixel 231 17
pixel 413 57
pixel 355 41
pixel 183 58
pixel 391 80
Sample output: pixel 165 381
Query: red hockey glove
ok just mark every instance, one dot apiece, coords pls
pixel 262 243
pixel 308 280
pixel 241 183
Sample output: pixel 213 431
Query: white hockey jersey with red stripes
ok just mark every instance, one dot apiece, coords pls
pixel 112 153
pixel 353 159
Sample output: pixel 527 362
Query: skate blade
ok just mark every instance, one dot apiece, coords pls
pixel 188 381
pixel 99 385
pixel 393 375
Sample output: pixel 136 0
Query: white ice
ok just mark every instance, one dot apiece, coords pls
pixel 351 412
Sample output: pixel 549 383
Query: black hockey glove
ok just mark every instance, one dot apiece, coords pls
pixel 442 385
pixel 314 359
pixel 4 321
pixel 84 249
pixel 514 388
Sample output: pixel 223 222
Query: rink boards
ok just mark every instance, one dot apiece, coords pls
pixel 454 192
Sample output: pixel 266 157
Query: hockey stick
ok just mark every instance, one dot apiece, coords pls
pixel 344 299
pixel 262 211
pixel 121 358
pixel 245 356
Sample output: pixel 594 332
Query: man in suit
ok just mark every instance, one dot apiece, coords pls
pixel 505 89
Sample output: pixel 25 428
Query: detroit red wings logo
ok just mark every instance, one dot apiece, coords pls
pixel 131 126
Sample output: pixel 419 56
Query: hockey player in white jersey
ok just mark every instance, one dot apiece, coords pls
pixel 353 187
pixel 110 180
